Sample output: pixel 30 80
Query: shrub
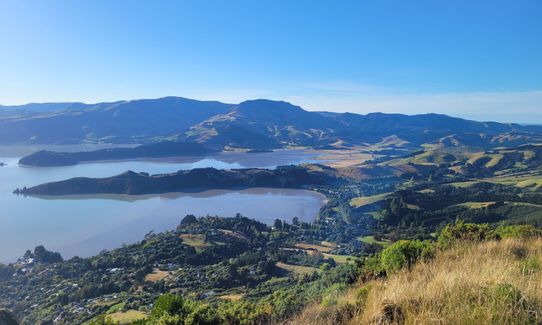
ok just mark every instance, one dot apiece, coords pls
pixel 373 266
pixel 530 265
pixel 325 267
pixel 332 293
pixel 507 294
pixel 362 294
pixel 169 304
pixel 461 231
pixel 517 231
pixel 404 253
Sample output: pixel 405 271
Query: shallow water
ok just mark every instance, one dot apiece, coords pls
pixel 84 225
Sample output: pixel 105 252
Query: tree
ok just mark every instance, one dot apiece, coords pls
pixel 277 224
pixel 188 220
pixel 6 271
pixel 7 318
pixel 168 304
pixel 41 255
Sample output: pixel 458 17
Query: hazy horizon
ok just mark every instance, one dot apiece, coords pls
pixel 293 103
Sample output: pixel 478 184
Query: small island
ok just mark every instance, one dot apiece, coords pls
pixel 163 149
pixel 193 180
pixel 2 164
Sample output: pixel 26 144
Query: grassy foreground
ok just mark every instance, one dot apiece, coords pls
pixel 493 282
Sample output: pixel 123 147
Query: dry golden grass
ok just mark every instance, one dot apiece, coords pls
pixel 341 259
pixel 197 241
pixel 297 269
pixel 343 158
pixel 156 275
pixel 231 297
pixel 494 159
pixel 127 317
pixel 319 248
pixel 488 283
pixel 476 205
pixel 366 200
pixel 335 309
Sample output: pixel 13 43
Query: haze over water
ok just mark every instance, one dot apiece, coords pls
pixel 84 225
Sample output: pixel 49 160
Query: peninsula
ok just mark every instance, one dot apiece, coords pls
pixel 163 149
pixel 188 181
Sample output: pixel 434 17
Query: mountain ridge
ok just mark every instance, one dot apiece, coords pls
pixel 254 124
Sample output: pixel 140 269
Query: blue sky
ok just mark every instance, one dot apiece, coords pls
pixel 476 59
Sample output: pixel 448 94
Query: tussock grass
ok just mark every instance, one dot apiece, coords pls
pixel 494 282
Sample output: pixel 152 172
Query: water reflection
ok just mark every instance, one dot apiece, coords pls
pixel 83 225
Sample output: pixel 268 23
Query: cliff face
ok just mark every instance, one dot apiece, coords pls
pixel 185 180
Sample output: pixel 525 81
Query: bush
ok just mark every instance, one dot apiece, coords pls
pixel 171 309
pixel 404 253
pixel 507 294
pixel 517 231
pixel 332 293
pixel 530 265
pixel 168 304
pixel 362 294
pixel 461 231
pixel 373 267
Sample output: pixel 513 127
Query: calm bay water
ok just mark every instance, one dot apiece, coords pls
pixel 84 225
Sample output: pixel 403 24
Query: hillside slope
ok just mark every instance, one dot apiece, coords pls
pixel 495 282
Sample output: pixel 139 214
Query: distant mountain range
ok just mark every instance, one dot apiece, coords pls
pixel 254 124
